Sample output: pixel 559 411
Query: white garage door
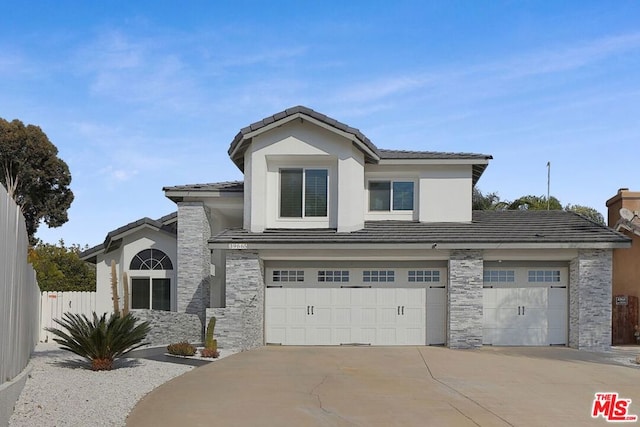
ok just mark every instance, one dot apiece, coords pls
pixel 376 316
pixel 528 307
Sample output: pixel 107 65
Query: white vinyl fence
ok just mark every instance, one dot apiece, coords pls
pixel 55 304
pixel 19 303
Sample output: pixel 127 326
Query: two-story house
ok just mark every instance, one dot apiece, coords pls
pixel 331 240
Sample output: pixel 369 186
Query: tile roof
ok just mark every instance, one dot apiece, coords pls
pixel 487 227
pixel 236 150
pixel 160 223
pixel 227 186
pixel 437 155
pixel 302 110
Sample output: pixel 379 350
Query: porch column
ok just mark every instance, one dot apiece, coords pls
pixel 240 324
pixel 464 321
pixel 590 299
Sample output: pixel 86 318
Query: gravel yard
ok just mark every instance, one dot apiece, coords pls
pixel 61 391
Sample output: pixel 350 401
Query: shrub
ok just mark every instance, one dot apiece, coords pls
pixel 101 341
pixel 209 352
pixel 181 349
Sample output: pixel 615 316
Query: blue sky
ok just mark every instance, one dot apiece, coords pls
pixel 141 95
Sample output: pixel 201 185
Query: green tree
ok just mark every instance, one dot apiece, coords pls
pixel 34 175
pixel 491 201
pixel 59 268
pixel 486 202
pixel 535 203
pixel 587 212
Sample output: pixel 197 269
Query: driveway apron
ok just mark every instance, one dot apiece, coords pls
pixel 382 386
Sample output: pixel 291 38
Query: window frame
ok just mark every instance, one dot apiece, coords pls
pixel 391 199
pixel 150 292
pixel 303 195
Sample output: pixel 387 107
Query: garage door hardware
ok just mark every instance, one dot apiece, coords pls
pixel 310 307
pixel 399 309
pixel 521 307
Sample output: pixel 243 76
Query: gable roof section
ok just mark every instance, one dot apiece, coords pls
pixel 372 153
pixel 167 224
pixel 243 138
pixel 487 230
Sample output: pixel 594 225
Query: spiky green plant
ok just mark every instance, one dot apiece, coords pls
pixel 100 340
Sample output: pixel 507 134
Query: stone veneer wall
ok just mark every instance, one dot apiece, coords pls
pixel 194 258
pixel 464 322
pixel 170 327
pixel 590 300
pixel 240 325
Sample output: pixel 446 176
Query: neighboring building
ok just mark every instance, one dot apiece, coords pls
pixel 626 262
pixel 626 265
pixel 330 240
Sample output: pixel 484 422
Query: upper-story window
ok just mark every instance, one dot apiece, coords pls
pixel 303 193
pixel 390 196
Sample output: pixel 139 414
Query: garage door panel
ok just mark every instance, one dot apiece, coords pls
pixel 295 336
pixel 343 315
pixel 344 335
pixel 277 315
pixel 296 315
pixel 365 335
pixel 321 315
pixel 386 316
pixel 413 316
pixel 367 316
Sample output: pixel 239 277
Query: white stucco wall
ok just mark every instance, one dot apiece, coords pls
pixel 300 144
pixel 445 194
pixel 131 245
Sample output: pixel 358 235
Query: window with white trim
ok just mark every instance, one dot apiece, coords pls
pixel 424 276
pixel 288 276
pixel 378 276
pixel 499 276
pixel 333 276
pixel 153 293
pixel 151 259
pixel 386 196
pixel 303 193
pixel 544 276
pixel 150 292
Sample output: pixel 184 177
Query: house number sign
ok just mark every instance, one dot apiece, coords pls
pixel 238 246
pixel 622 300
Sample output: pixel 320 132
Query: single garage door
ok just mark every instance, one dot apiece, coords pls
pixel 525 306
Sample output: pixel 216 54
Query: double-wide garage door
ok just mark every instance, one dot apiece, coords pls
pixel 335 316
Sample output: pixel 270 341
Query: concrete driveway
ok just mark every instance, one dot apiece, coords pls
pixel 386 386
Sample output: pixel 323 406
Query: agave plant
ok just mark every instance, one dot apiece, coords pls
pixel 101 341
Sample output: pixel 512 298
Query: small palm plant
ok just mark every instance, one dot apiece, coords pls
pixel 101 341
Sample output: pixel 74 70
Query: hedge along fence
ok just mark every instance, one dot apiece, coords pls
pixel 19 303
pixel 55 304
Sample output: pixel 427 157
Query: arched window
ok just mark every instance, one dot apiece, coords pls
pixel 151 259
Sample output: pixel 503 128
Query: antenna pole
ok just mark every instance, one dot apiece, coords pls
pixel 548 184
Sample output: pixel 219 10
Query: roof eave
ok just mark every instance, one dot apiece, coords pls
pixel 180 195
pixel 239 244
